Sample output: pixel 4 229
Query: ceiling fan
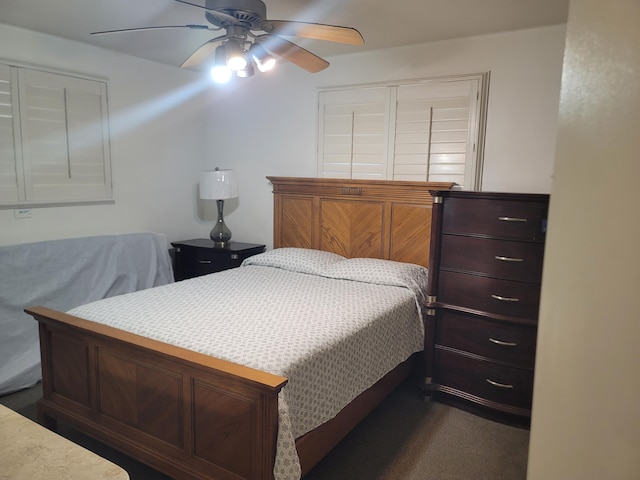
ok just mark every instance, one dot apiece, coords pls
pixel 249 37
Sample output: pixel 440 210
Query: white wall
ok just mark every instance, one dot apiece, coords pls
pixel 157 144
pixel 586 420
pixel 266 126
pixel 274 115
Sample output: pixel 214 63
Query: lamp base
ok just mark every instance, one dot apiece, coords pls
pixel 221 244
pixel 220 234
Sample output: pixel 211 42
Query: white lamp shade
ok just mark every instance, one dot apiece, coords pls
pixel 218 185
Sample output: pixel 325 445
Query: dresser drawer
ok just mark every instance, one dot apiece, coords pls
pixel 510 260
pixel 491 295
pixel 505 219
pixel 490 381
pixel 500 341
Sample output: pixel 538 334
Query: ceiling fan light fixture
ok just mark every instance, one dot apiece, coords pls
pixel 244 23
pixel 235 55
pixel 220 72
pixel 264 61
pixel 246 72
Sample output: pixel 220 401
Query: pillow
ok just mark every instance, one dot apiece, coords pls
pixel 303 260
pixel 381 272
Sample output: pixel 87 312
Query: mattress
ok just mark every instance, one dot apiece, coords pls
pixel 332 326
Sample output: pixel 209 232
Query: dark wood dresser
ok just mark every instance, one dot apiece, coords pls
pixel 485 269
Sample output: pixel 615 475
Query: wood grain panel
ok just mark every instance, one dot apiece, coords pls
pixel 71 375
pixel 411 230
pixel 159 405
pixel 147 399
pixel 352 229
pixel 296 222
pixel 116 383
pixel 223 423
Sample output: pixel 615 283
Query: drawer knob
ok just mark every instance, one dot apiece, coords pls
pixel 505 299
pixel 206 262
pixel 498 384
pixel 503 343
pixel 508 259
pixel 512 219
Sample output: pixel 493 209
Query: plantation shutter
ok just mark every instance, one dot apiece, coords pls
pixel 353 133
pixel 65 137
pixel 54 139
pixel 430 130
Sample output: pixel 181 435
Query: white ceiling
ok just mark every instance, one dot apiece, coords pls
pixel 383 23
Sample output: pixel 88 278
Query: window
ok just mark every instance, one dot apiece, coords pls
pixel 54 139
pixel 427 130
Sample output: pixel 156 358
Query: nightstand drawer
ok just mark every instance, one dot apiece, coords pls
pixel 497 258
pixel 199 256
pixel 202 262
pixel 497 340
pixel 491 381
pixel 505 219
pixel 491 295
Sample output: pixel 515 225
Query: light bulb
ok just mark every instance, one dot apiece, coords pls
pixel 263 60
pixel 220 73
pixel 235 55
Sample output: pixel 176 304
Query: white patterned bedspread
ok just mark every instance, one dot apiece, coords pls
pixel 332 326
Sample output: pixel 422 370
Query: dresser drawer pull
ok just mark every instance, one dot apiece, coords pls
pixel 205 262
pixel 512 219
pixel 502 343
pixel 499 385
pixel 505 299
pixel 508 259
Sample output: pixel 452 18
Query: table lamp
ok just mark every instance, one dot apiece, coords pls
pixel 219 185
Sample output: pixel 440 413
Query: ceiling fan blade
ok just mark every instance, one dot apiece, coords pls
pixel 162 27
pixel 294 54
pixel 317 31
pixel 202 52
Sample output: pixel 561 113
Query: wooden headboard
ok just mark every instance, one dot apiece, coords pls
pixel 355 218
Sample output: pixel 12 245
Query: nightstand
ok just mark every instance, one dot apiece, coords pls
pixel 197 257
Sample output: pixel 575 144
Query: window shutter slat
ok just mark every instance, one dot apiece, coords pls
pixel 9 162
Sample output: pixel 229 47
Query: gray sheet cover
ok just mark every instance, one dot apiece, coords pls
pixel 63 274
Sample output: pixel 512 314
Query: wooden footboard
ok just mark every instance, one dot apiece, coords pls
pixel 188 415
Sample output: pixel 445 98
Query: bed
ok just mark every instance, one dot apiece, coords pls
pixel 193 413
